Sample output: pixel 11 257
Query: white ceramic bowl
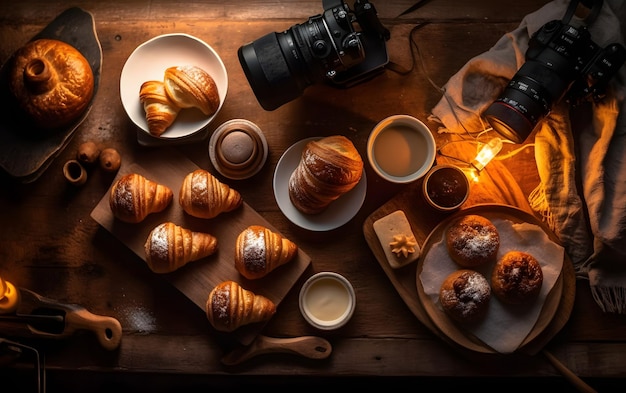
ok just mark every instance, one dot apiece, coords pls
pixel 401 149
pixel 327 300
pixel 149 62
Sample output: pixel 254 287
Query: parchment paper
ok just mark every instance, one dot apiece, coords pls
pixel 504 327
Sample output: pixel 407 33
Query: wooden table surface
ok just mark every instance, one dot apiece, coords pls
pixel 50 244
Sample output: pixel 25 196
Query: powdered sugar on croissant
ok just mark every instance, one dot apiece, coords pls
pixel 192 87
pixel 170 247
pixel 258 251
pixel 202 195
pixel 230 306
pixel 133 197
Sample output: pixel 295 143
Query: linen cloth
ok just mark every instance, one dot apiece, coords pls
pixel 580 152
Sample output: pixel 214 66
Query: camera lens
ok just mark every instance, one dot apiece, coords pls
pixel 529 96
pixel 276 77
pixel 522 104
pixel 558 55
pixel 280 66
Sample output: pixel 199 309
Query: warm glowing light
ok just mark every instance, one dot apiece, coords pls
pixel 9 297
pixel 487 153
pixel 473 175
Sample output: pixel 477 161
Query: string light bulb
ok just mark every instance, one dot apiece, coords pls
pixel 486 153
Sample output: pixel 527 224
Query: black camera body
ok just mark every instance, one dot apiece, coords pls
pixel 341 45
pixel 562 62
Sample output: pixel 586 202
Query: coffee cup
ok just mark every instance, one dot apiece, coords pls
pixel 401 149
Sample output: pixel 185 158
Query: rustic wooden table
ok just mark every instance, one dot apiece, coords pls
pixel 50 244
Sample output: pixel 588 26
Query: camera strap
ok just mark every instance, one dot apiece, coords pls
pixel 414 7
pixel 596 6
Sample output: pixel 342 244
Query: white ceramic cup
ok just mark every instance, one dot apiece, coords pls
pixel 401 149
pixel 327 300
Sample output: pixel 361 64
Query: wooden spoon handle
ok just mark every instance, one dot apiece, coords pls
pixel 108 330
pixel 574 379
pixel 311 347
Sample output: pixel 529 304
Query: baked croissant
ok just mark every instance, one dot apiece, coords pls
pixel 230 306
pixel 202 195
pixel 328 168
pixel 258 251
pixel 192 87
pixel 170 247
pixel 133 197
pixel 160 110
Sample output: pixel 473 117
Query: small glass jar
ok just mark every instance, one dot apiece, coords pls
pixel 446 188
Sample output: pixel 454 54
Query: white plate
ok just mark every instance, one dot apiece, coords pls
pixel 338 213
pixel 149 62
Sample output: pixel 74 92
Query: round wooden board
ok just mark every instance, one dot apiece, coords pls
pixel 454 331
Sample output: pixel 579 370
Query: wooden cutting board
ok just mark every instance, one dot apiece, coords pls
pixel 423 221
pixel 197 279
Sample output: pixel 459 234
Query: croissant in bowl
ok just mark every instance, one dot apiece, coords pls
pixel 192 87
pixel 160 110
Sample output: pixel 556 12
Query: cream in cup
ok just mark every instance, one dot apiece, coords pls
pixel 401 149
pixel 327 300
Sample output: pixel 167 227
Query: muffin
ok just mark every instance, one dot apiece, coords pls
pixel 464 295
pixel 472 241
pixel 517 278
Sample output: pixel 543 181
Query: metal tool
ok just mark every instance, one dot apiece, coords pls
pixel 40 317
pixel 311 347
pixel 15 349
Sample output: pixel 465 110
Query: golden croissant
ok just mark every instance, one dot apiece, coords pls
pixel 192 87
pixel 170 247
pixel 160 110
pixel 133 197
pixel 258 251
pixel 230 306
pixel 202 195
pixel 328 168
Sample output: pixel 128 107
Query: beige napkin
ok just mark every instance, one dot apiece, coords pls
pixel 580 154
pixel 495 329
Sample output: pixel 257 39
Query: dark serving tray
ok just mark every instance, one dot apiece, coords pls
pixel 25 154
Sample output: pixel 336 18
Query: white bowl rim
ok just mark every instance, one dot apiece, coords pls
pixel 130 100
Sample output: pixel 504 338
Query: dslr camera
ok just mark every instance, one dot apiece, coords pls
pixel 562 62
pixel 342 45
